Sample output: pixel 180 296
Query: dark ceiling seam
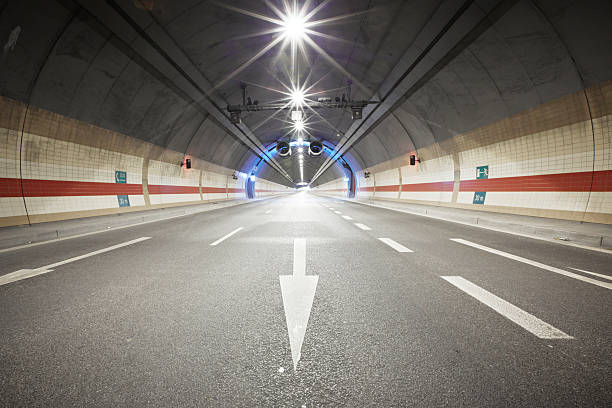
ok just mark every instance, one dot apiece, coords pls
pixel 417 60
pixel 584 91
pixel 497 12
pixel 30 91
pixel 177 67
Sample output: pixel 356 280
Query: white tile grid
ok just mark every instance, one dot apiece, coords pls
pixel 441 196
pixel 561 150
pixel 430 171
pixel 172 198
pixel 51 159
pixel 49 205
pixel 11 206
pixel 603 143
pixel 210 179
pixel 387 178
pixel 567 201
pixel 362 183
pixel 168 174
pixel 600 202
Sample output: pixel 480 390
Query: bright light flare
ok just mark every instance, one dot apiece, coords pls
pixel 294 27
pixel 298 98
pixel 299 126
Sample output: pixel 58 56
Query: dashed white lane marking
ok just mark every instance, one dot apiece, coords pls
pixel 268 212
pixel 331 208
pixel 535 263
pixel 593 273
pixel 337 212
pixel 395 245
pixel 363 227
pixel 28 273
pixel 346 217
pixel 527 321
pixel 223 238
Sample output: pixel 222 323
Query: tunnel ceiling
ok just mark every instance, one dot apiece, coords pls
pixel 165 70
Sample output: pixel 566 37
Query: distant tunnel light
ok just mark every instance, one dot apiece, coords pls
pixel 296 115
pixel 300 149
pixel 299 126
pixel 252 177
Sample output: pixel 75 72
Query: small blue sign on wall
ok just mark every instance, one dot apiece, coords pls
pixel 479 197
pixel 482 172
pixel 121 177
pixel 124 201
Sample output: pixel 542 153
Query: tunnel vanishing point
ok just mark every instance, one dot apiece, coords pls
pixel 305 203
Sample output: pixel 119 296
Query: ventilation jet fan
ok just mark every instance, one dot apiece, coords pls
pixel 283 149
pixel 315 148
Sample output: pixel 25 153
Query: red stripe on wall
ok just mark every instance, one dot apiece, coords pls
pixel 235 190
pixel 58 188
pixel 10 187
pixel 210 190
pixel 435 186
pixel 161 189
pixel 564 182
pixel 387 188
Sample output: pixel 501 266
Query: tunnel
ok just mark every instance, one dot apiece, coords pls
pixel 305 203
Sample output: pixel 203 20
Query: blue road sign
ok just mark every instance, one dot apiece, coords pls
pixel 479 197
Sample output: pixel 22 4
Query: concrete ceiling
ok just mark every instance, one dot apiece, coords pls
pixel 162 70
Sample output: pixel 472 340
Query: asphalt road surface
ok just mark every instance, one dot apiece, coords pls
pixel 305 301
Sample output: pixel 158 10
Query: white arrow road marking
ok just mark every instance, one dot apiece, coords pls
pixel 363 226
pixel 298 292
pixel 395 245
pixel 346 217
pixel 608 277
pixel 527 321
pixel 223 238
pixel 28 273
pixel 535 263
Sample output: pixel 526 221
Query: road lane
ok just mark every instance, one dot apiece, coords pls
pixel 178 322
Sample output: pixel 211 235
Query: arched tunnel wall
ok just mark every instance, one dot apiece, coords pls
pixel 56 168
pixel 529 102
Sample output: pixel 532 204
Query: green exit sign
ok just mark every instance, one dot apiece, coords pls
pixel 482 172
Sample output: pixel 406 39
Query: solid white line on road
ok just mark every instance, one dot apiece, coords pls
pixel 527 321
pixel 362 226
pixel 535 263
pixel 28 273
pixel 223 238
pixel 395 245
pixel 268 212
pixel 299 257
pixel 337 212
pixel 593 273
pixel 346 217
